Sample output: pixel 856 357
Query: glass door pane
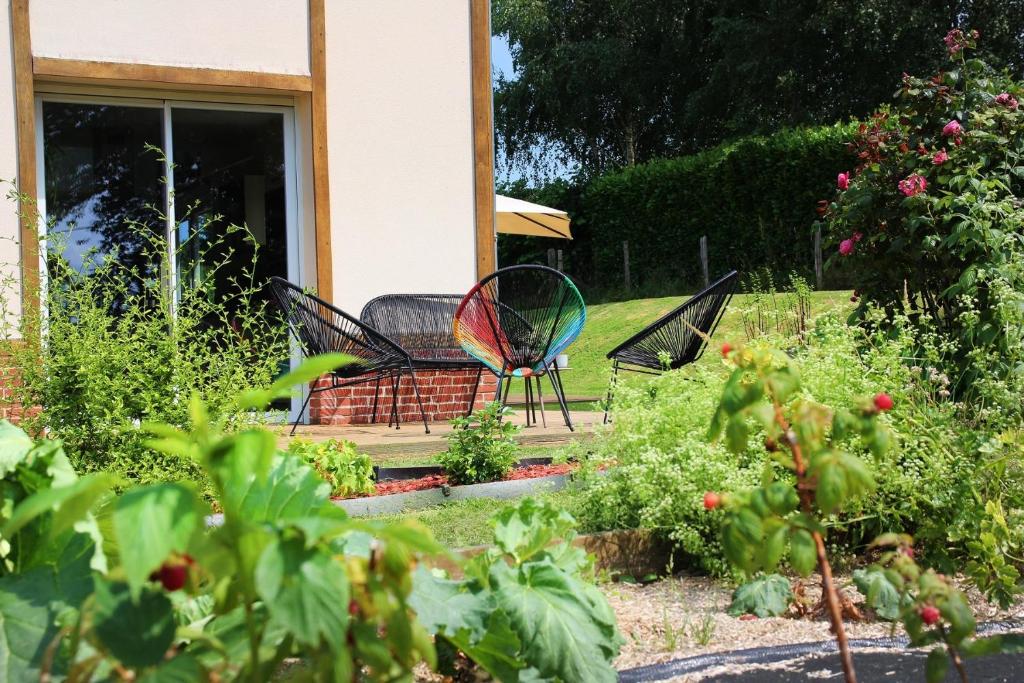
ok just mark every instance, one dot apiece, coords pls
pixel 103 189
pixel 229 170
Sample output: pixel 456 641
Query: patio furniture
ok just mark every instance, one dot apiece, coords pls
pixel 321 328
pixel 677 338
pixel 516 321
pixel 423 325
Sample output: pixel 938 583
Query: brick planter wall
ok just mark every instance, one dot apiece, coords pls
pixel 445 395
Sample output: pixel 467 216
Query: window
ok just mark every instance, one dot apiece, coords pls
pixel 103 183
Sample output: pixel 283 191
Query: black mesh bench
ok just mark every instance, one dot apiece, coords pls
pixel 422 324
pixel 676 339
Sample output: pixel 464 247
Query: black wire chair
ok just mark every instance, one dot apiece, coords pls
pixel 422 324
pixel 677 338
pixel 321 328
pixel 516 321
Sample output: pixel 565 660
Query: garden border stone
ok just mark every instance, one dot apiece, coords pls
pixel 397 503
pixel 383 473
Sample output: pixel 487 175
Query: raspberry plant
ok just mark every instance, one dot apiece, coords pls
pixel 933 610
pixel 812 442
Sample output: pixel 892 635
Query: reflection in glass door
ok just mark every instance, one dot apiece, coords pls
pixel 226 165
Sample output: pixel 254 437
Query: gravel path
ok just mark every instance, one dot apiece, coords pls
pixel 684 616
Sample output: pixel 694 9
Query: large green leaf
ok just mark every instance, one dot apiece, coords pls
pixel 291 490
pixel 305 590
pixel 14 446
pixel 765 596
pixel 526 529
pixel 555 622
pixel 443 605
pixel 150 523
pixel 137 632
pixel 68 503
pixel 183 668
pixel 878 591
pixel 29 604
pixel 497 651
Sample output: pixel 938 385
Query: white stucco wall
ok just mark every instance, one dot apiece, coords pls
pixel 400 147
pixel 245 35
pixel 9 249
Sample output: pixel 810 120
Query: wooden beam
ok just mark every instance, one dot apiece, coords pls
pixel 78 70
pixel 321 177
pixel 483 136
pixel 24 103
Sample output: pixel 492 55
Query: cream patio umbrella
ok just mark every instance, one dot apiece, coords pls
pixel 516 217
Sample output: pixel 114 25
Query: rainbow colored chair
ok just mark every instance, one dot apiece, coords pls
pixel 516 321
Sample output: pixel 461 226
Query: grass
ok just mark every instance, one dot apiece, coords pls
pixel 466 522
pixel 610 324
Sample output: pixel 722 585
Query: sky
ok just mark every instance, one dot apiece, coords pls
pixel 501 58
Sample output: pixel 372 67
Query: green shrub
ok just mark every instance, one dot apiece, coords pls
pixel 113 348
pixel 930 223
pixel 338 463
pixel 481 447
pixel 754 198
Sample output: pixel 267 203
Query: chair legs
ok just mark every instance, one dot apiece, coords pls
pixel 302 411
pixel 476 385
pixel 556 384
pixel 416 389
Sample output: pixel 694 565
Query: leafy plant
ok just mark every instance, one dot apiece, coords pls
pixel 809 441
pixel 481 447
pixel 772 312
pixel 929 221
pixel 765 596
pixel 284 574
pixel 338 463
pixel 524 609
pixel 112 346
pixel 933 611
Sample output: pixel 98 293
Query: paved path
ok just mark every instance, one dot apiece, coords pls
pixel 390 443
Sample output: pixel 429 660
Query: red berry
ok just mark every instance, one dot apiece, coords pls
pixel 726 348
pixel 853 299
pixel 353 608
pixel 883 402
pixel 711 500
pixel 172 576
pixel 929 615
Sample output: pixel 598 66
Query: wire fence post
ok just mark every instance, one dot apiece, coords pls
pixel 551 258
pixel 819 272
pixel 625 264
pixel 704 259
pixel 561 263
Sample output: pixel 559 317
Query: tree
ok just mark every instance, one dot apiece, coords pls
pixel 596 79
pixel 605 83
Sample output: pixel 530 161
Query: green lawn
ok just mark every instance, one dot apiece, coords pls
pixel 610 324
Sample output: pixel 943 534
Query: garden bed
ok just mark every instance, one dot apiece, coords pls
pixel 677 618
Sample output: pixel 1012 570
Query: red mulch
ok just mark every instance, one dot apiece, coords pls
pixel 433 481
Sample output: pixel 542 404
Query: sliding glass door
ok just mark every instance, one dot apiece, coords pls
pixel 117 173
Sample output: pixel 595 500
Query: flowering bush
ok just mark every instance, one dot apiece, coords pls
pixel 930 222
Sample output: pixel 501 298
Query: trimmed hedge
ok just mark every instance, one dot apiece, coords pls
pixel 754 198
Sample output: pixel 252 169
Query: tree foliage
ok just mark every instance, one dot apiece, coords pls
pixel 606 83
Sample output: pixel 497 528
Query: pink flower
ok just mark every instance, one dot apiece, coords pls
pixel 857 236
pixel 913 184
pixel 940 157
pixel 953 128
pixel 843 181
pixel 954 41
pixel 846 247
pixel 1007 100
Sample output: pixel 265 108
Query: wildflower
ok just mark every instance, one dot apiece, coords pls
pixel 846 247
pixel 940 157
pixel 843 181
pixel 912 185
pixel 952 129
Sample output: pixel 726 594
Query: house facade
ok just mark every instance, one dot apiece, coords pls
pixel 352 137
